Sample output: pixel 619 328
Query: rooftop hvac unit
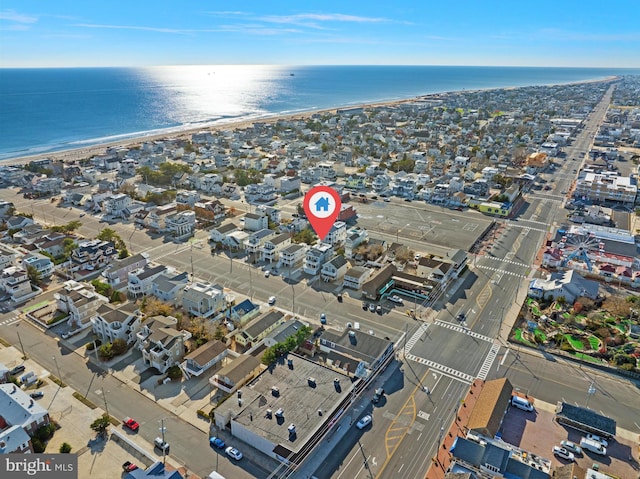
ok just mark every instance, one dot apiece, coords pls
pixel 280 413
pixel 267 414
pixel 292 429
pixel 275 391
pixel 311 382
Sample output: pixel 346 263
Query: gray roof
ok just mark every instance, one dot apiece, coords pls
pixel 339 261
pixel 207 352
pixel 18 409
pixel 165 283
pixel 263 322
pixel 361 345
pixel 587 417
pixel 285 330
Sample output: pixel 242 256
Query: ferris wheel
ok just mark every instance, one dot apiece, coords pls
pixel 578 246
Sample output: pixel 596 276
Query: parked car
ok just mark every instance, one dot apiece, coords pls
pixel 323 318
pixel 460 317
pixel 365 305
pixel 571 446
pixel 272 300
pixel 216 442
pixel 36 395
pixel 130 423
pixel 372 307
pixel 396 299
pixel 17 370
pixel 267 273
pixel 129 466
pixel 379 309
pixel 562 453
pixel 599 439
pixel 364 421
pixel 233 452
pixel 160 444
pixel 379 394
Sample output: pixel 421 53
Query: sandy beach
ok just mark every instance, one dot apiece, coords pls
pixel 77 154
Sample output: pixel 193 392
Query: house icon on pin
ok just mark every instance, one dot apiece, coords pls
pixel 322 204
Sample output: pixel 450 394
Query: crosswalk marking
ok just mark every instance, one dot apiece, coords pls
pixel 527 228
pixel 416 336
pixel 497 270
pixel 460 329
pixel 11 320
pixel 508 261
pixel 488 362
pixel 445 370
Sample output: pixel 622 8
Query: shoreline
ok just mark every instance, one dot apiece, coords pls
pixel 76 154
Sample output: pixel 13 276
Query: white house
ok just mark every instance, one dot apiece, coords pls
pixel 317 256
pixel 337 235
pixel 117 322
pixel 271 249
pixel 161 344
pixel 117 273
pixel 140 281
pixel 43 264
pixel 14 281
pixel 169 287
pixel 334 269
pixel 80 301
pixel 355 277
pixel 292 257
pixel 181 224
pixel 203 299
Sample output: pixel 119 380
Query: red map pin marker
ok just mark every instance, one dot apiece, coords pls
pixel 322 206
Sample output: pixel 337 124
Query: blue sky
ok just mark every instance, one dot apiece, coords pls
pixel 46 33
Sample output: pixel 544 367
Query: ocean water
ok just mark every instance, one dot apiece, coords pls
pixel 45 110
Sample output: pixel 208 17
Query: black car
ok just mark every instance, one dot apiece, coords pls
pixel 365 305
pixel 36 395
pixel 17 370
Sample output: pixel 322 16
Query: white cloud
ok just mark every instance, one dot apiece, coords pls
pixel 134 27
pixel 13 16
pixel 312 19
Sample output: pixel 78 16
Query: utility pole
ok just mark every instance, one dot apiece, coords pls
pixel 24 356
pixel 104 398
pixel 164 449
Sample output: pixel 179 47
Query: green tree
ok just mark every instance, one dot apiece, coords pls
pixel 65 448
pixel 34 275
pixel 119 346
pixel 101 424
pixel 305 236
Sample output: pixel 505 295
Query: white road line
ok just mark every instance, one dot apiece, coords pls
pixel 510 273
pixel 488 362
pixel 445 370
pixel 416 336
pixel 509 261
pixel 460 329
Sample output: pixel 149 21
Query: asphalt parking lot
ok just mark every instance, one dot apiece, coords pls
pixel 537 432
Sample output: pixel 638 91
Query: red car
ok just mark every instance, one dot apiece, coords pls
pixel 131 424
pixel 129 466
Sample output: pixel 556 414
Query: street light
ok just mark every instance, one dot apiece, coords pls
pixel 590 392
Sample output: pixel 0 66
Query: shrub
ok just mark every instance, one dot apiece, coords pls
pixel 38 445
pixel 174 372
pixel 106 351
pixel 627 367
pixel 45 432
pixel 119 346
pixel 65 448
pixel 566 346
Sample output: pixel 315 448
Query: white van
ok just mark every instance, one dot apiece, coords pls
pixel 215 475
pixel 356 326
pixel 593 446
pixel 521 403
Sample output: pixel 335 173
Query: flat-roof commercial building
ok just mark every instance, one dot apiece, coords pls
pixel 285 410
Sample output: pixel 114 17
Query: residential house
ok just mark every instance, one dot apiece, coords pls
pixel 187 197
pixel 212 210
pixel 254 243
pixel 117 273
pixel 79 301
pixel 442 269
pixel 243 312
pixel 355 277
pixel 14 282
pixel 168 287
pixel 156 219
pixel 204 299
pixel 117 322
pixel 257 329
pixel 335 269
pixel 317 256
pixel 17 409
pixel 161 344
pixel 42 264
pixel 355 237
pixel 53 244
pixel 181 224
pixel 236 373
pixel 292 257
pixel 116 204
pixel 220 234
pixel 337 235
pixel 204 358
pixel 283 332
pixel 140 281
pixel 272 248
pixel 256 221
pixel 91 256
pixel 7 256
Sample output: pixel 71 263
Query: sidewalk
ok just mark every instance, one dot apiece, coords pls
pixel 442 460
